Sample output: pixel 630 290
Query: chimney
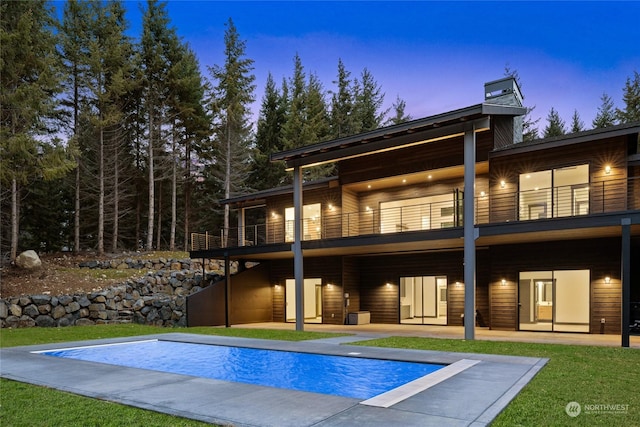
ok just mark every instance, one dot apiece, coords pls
pixel 506 92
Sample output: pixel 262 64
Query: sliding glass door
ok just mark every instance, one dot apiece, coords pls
pixel 423 300
pixel 554 300
pixel 312 300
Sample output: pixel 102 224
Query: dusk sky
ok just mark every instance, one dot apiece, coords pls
pixel 434 55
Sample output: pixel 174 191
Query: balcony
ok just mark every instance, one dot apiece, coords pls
pixel 611 196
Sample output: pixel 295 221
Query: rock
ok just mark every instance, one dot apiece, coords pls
pixel 58 311
pixel 15 310
pixel 44 308
pixel 4 310
pixel 41 299
pixel 28 260
pixel 123 266
pixel 84 301
pixel 73 306
pixel 85 322
pixel 45 321
pixel 31 310
pixel 65 299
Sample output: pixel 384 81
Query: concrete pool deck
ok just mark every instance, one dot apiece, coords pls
pixel 472 397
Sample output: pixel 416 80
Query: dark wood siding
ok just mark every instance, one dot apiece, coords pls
pixel 351 284
pixel 596 154
pixel 330 200
pixel 251 296
pixel 424 157
pixel 383 301
pixel 329 269
pixel 601 257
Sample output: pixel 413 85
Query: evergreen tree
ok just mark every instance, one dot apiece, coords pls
pixel 231 97
pixel 74 48
pixel 29 85
pixel 631 98
pixel 577 125
pixel 190 127
pixel 342 105
pixel 368 103
pixel 555 125
pixel 158 42
pixel 606 115
pixel 399 114
pixel 316 126
pixel 295 114
pixel 265 174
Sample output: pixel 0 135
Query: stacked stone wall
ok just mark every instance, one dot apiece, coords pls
pixel 158 298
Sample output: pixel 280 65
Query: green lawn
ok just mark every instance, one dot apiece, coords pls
pixel 587 375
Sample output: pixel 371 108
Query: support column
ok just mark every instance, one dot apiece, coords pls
pixel 626 280
pixel 241 227
pixel 469 234
pixel 298 271
pixel 227 291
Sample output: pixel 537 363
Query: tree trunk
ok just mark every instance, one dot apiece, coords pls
pixel 151 186
pixel 101 193
pixel 116 196
pixel 159 226
pixel 187 193
pixel 15 220
pixel 227 184
pixel 174 189
pixel 76 215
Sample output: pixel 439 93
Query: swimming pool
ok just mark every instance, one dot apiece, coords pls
pixel 355 377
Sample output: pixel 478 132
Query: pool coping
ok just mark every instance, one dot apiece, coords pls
pixel 485 388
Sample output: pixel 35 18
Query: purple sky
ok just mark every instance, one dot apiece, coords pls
pixel 434 55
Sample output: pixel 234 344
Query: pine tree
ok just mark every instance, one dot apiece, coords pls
pixel 577 125
pixel 606 115
pixel 29 85
pixel 265 174
pixel 631 98
pixel 231 97
pixel 74 48
pixel 342 105
pixel 157 44
pixel 295 113
pixel 368 103
pixel 555 125
pixel 399 114
pixel 316 126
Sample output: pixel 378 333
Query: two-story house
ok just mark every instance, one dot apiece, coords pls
pixel 437 220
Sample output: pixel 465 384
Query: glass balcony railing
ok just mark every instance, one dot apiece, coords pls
pixel 544 203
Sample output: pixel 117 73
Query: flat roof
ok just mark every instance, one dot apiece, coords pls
pixel 437 126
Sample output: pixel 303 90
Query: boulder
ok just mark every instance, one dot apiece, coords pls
pixel 28 260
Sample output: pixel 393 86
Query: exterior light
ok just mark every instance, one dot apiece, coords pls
pixel 388 285
pixel 504 282
pixel 369 186
pixel 503 184
pixel 482 194
pixel 607 280
pixel 607 169
pixel 273 214
pixel 368 208
pixel 331 207
pixel 429 177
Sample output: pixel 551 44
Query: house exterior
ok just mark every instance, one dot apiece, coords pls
pixel 441 219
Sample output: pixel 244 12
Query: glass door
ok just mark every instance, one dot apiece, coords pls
pixel 554 300
pixel 423 300
pixel 312 300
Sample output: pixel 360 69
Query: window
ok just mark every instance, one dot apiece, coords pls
pixel 311 223
pixel 423 213
pixel 554 193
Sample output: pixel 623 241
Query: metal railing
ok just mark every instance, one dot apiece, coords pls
pixel 501 206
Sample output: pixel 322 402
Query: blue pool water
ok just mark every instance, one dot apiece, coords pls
pixel 355 377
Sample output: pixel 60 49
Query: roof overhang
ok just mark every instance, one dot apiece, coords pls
pixel 433 128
